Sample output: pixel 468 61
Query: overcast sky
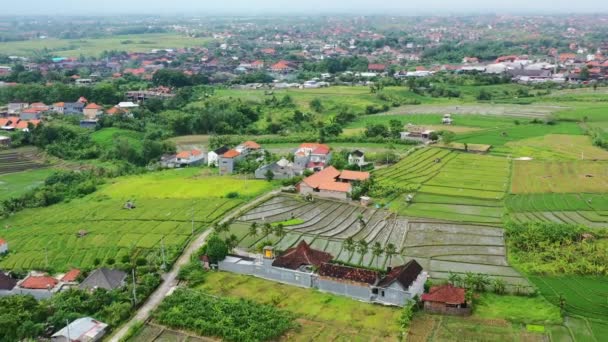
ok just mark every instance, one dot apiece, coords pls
pixel 240 7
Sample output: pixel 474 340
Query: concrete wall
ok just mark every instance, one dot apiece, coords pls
pixel 38 294
pixel 332 194
pixel 5 293
pixel 3 248
pixel 264 269
pixel 360 292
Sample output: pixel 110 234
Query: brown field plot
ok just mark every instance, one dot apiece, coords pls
pixel 559 177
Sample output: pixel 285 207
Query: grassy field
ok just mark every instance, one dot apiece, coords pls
pixel 517 309
pixel 472 121
pixel 95 46
pixel 502 136
pixel 183 183
pixel 166 204
pixel 435 328
pixel 554 147
pixel 108 136
pixel 16 184
pixel 323 317
pixel 559 177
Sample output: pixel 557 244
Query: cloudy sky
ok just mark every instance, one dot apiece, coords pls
pixel 239 7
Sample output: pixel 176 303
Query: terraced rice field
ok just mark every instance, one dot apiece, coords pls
pixel 585 303
pixel 438 245
pixel 449 185
pixel 553 147
pixel 590 210
pixel 18 160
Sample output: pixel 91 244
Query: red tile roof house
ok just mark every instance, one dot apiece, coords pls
pixel 39 286
pixel 331 183
pixel 312 156
pixel 227 161
pixel 190 158
pixel 447 300
pixel 306 267
pixel 376 68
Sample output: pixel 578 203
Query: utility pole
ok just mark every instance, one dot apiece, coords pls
pixel 193 205
pixel 134 291
pixel 67 326
pixel 162 246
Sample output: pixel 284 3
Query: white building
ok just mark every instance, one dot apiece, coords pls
pixel 3 246
pixel 81 330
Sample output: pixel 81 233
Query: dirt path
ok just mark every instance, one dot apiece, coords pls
pixel 170 279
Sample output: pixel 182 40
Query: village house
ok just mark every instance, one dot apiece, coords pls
pixel 447 300
pixel 418 133
pixel 248 147
pixel 213 157
pixel 282 169
pixel 16 107
pixel 7 284
pixel 84 329
pixel 306 267
pixel 356 157
pixel 189 158
pixel 331 183
pixel 92 111
pixel 104 278
pixel 69 108
pixel 227 161
pixel 5 142
pixel 312 156
pixel 40 286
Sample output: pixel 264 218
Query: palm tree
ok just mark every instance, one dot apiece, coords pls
pixel 279 230
pixel 390 250
pixel 362 247
pixel 454 278
pixel 349 246
pixel 253 229
pixel 499 285
pixel 232 241
pixel 377 251
pixel 267 229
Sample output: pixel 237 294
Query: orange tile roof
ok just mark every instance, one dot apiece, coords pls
pixel 59 104
pixel 2 241
pixel 3 122
pixel 21 125
pixel 93 106
pixel 231 154
pixel 34 122
pixel 445 294
pixel 114 111
pixel 39 282
pixel 196 152
pixel 183 155
pixel 354 175
pixel 322 177
pixel 71 276
pixel 252 145
pixel 313 145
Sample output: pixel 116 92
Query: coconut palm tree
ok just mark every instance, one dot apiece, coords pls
pixel 232 241
pixel 390 250
pixel 377 251
pixel 279 230
pixel 253 229
pixel 349 246
pixel 267 229
pixel 362 247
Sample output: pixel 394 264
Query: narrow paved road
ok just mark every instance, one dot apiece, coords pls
pixel 170 279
